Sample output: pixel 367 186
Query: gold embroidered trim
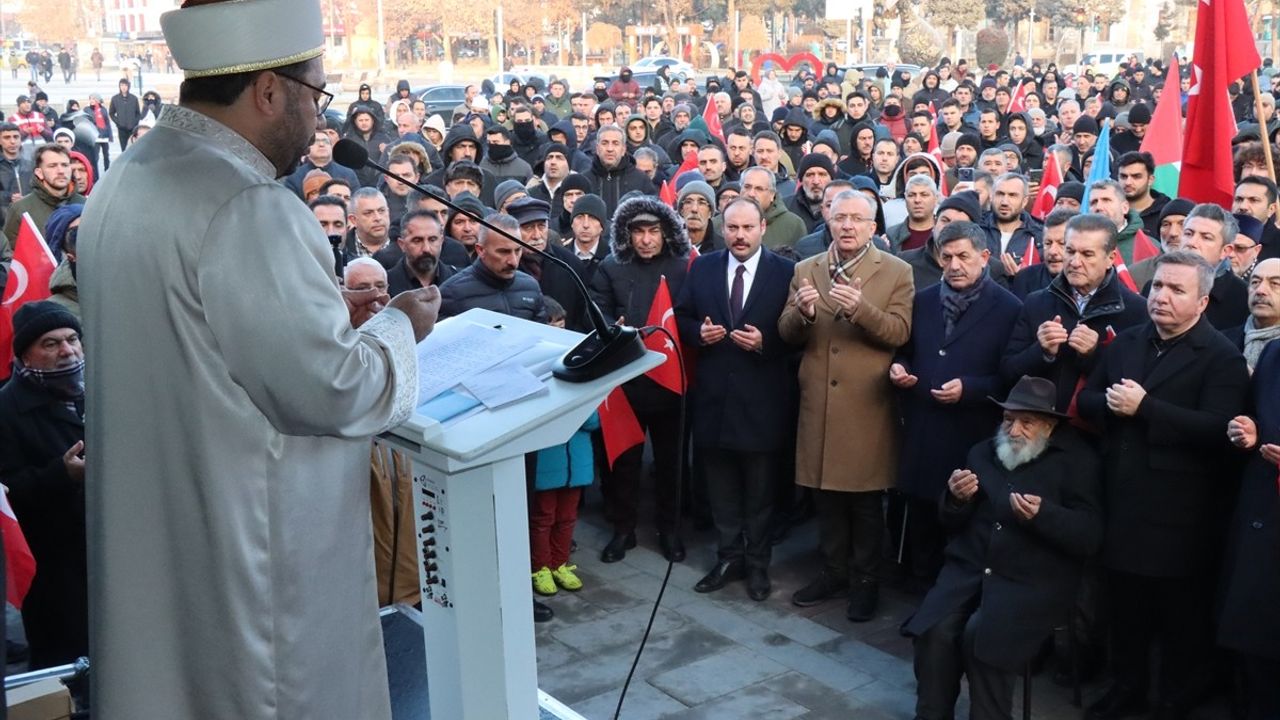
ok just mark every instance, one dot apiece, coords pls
pixel 255 66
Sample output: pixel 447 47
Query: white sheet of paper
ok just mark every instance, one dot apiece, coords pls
pixel 444 360
pixel 503 384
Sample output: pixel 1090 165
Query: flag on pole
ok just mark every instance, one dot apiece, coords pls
pixel 29 274
pixel 1143 247
pixel 712 118
pixel 1050 180
pixel 661 314
pixel 935 149
pixel 1224 52
pixel 619 427
pixel 1101 168
pixel 19 563
pixel 1164 135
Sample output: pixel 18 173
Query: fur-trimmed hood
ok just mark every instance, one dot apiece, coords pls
pixel 829 102
pixel 677 239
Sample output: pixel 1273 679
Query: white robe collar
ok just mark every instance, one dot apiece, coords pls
pixel 197 123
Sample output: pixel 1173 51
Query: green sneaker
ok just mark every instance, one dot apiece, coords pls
pixel 565 577
pixel 542 582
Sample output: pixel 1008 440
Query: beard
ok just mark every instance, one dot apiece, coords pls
pixel 424 264
pixel 288 142
pixel 1015 452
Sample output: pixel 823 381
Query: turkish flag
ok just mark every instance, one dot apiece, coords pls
pixel 1018 103
pixel 33 265
pixel 667 193
pixel 668 374
pixel 1050 179
pixel 19 563
pixel 1224 51
pixel 1143 248
pixel 618 425
pixel 1122 271
pixel 1032 256
pixel 712 119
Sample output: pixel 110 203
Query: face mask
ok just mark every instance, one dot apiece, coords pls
pixel 602 94
pixel 501 152
pixel 525 131
pixel 626 77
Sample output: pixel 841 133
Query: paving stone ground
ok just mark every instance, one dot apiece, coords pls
pixel 723 656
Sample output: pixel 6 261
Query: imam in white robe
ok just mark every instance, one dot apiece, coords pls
pixel 230 406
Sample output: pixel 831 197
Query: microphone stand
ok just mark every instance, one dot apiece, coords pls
pixel 605 349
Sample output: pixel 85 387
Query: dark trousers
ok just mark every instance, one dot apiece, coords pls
pixel 1262 686
pixel 1174 611
pixel 621 487
pixel 942 654
pixel 850 532
pixel 124 137
pixel 741 488
pixel 925 538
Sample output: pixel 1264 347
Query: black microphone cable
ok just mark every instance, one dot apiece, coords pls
pixel 666 578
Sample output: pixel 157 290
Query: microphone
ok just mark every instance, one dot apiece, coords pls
pixel 605 349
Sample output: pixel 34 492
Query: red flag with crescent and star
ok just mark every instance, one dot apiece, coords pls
pixel 667 374
pixel 29 274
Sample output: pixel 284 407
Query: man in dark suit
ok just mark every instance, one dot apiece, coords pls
pixel 959 329
pixel 1024 512
pixel 1161 396
pixel 1052 256
pixel 729 310
pixel 1211 232
pixel 1062 327
pixel 1247 621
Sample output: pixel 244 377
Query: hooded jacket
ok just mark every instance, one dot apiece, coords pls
pixel 457 134
pixel 371 105
pixel 580 162
pixel 624 284
pixel 1031 148
pixel 795 149
pixel 663 157
pixel 612 183
pixel 855 164
pixel 374 142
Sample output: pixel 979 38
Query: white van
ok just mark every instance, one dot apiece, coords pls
pixel 1105 62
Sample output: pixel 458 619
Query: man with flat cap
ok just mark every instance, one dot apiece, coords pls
pixel 1023 515
pixel 556 282
pixel 230 404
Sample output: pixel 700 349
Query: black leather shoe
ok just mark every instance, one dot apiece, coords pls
pixel 672 547
pixel 542 613
pixel 1119 702
pixel 864 596
pixel 820 590
pixel 725 572
pixel 758 585
pixel 618 547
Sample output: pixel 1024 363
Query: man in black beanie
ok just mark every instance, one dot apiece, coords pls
pixel 571 189
pixel 812 174
pixel 42 463
pixel 1070 195
pixel 1124 141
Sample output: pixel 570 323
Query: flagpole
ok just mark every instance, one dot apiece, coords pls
pixel 1263 135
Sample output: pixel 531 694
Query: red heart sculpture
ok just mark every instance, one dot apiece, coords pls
pixel 785 63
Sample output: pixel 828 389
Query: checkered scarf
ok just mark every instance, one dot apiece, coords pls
pixel 842 270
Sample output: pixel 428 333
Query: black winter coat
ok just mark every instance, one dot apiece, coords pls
pixel 475 287
pixel 35 430
pixel 1025 572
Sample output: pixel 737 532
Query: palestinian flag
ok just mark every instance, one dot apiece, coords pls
pixel 1164 136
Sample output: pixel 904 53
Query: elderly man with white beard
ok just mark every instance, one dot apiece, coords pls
pixel 1024 514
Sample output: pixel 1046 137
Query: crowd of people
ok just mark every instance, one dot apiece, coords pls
pixel 1049 430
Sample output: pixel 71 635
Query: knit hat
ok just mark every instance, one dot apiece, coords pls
pixel 1072 190
pixel 1140 113
pixel 970 140
pixel 697 187
pixel 34 319
pixel 505 190
pixel 468 202
pixel 1085 124
pixel 815 160
pixel 1176 206
pixel 779 114
pixel 966 201
pixel 576 181
pixel 687 177
pixel 555 147
pixel 64 131
pixel 593 205
pixel 948 144
pixel 314 180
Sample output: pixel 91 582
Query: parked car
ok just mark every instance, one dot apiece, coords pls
pixel 442 99
pixel 1107 63
pixel 870 69
pixel 676 65
pixel 502 80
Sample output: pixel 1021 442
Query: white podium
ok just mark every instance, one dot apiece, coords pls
pixel 471 516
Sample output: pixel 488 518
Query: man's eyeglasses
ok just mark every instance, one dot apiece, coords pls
pixel 322 101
